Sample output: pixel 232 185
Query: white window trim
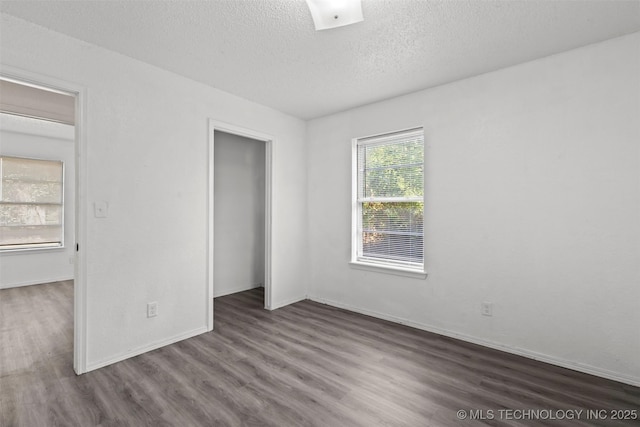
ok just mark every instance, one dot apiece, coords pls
pixel 389 269
pixel 363 263
pixel 37 247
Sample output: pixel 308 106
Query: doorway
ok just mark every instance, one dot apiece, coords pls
pixel 240 211
pixel 43 121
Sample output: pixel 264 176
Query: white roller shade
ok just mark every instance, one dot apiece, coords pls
pixel 31 203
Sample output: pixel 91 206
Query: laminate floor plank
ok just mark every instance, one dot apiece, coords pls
pixel 306 364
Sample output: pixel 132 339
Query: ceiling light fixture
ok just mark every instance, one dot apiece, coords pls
pixel 335 13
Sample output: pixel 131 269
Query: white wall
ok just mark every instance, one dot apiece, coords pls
pixel 147 142
pixel 38 139
pixel 532 198
pixel 239 191
pixel 532 203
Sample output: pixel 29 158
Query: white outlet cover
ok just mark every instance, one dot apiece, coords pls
pixel 152 309
pixel 486 308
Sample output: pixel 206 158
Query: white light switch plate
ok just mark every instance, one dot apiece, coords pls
pixel 100 209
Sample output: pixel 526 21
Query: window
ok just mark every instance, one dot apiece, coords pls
pixel 388 201
pixel 31 203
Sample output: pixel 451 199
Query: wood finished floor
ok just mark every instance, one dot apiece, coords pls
pixel 303 365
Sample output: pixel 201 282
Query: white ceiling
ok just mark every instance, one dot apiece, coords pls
pixel 267 51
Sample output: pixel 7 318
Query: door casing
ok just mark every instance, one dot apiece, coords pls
pixel 215 125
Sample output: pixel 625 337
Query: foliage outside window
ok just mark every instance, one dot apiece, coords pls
pixel 31 203
pixel 389 200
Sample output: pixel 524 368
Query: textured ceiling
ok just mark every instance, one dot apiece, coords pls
pixel 267 50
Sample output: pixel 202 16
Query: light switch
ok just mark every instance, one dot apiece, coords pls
pixel 100 209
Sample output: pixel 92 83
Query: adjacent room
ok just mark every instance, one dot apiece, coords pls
pixel 320 213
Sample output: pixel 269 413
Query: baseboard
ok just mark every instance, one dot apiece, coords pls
pixel 236 290
pixel 587 369
pixel 35 282
pixel 140 350
pixel 281 304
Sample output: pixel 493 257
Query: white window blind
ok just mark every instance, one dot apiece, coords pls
pixel 390 200
pixel 31 203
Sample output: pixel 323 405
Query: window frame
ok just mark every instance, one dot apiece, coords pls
pixel 357 260
pixel 36 247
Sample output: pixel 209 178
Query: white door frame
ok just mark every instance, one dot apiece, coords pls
pixel 80 291
pixel 215 125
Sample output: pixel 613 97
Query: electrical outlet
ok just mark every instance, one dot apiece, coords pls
pixel 486 309
pixel 152 309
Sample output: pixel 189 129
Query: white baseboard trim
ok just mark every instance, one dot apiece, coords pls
pixel 236 290
pixel 35 282
pixel 281 304
pixel 140 350
pixel 587 369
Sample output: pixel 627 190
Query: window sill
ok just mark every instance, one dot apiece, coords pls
pixel 388 269
pixel 31 250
